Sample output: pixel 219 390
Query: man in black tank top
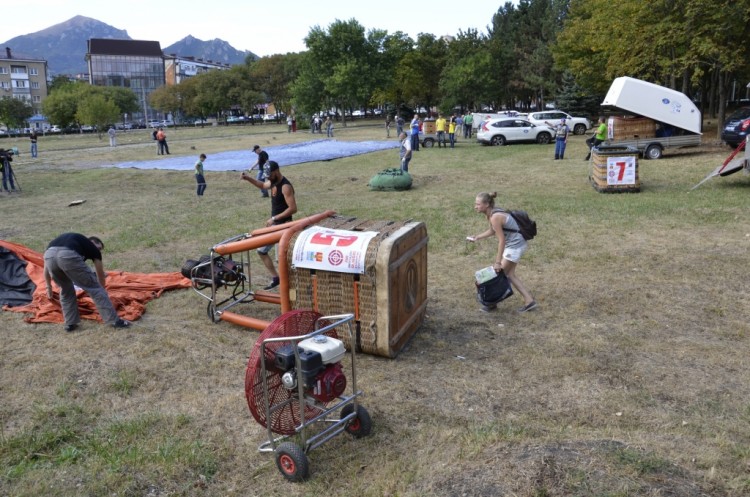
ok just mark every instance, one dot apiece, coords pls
pixel 283 207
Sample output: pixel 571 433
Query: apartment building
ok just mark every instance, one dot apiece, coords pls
pixel 23 78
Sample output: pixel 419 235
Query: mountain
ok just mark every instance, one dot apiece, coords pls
pixel 64 45
pixel 215 50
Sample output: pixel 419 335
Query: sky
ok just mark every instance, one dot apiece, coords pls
pixel 264 27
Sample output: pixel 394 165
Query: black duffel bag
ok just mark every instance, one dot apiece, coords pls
pixel 495 290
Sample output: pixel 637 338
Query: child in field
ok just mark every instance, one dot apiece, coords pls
pixel 199 175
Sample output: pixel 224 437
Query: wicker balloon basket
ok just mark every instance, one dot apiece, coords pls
pixel 389 300
pixel 615 169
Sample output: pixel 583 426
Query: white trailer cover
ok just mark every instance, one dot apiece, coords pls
pixel 655 102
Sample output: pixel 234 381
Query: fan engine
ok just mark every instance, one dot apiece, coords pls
pixel 320 364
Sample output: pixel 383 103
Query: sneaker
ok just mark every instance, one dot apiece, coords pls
pixel 528 307
pixel 121 323
pixel 488 308
pixel 70 327
pixel 274 283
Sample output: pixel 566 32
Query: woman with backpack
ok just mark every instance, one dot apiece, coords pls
pixel 511 245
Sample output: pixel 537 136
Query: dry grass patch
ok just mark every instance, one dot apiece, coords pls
pixel 630 380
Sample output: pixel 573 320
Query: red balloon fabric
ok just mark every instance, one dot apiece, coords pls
pixel 129 292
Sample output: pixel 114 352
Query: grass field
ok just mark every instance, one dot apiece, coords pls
pixel 631 379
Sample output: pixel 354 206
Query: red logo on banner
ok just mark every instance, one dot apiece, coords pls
pixel 333 239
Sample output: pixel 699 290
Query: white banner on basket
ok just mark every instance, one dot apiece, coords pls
pixel 327 249
pixel 621 170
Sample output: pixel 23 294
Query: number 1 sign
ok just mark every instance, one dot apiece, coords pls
pixel 621 170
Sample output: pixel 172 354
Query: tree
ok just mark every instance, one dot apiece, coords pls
pixel 14 112
pixel 467 72
pixel 335 69
pixel 98 111
pixel 166 99
pixel 420 69
pixel 274 76
pixel 61 105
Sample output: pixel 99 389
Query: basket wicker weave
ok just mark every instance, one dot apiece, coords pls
pixel 626 128
pixel 598 177
pixel 388 300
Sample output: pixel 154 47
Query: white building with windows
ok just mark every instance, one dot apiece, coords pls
pixel 177 69
pixel 23 78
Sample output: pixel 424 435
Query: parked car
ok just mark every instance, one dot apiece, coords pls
pixel 166 123
pixel 153 123
pixel 87 128
pixel 54 129
pixel 505 130
pixel 736 127
pixel 578 125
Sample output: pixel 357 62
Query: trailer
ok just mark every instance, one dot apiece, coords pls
pixel 676 118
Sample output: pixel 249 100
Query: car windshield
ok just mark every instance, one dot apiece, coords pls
pixel 742 113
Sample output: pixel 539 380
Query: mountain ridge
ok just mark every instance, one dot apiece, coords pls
pixel 64 46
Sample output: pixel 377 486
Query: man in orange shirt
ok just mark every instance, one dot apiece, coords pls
pixel 161 139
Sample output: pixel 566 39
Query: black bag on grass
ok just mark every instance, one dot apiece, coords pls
pixel 495 290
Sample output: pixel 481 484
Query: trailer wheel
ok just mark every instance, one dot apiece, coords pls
pixel 428 143
pixel 653 152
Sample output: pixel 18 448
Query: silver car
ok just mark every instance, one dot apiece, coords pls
pixel 508 130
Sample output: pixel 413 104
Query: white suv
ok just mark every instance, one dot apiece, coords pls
pixel 578 125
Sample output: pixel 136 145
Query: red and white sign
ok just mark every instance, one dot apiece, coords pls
pixel 621 170
pixel 327 249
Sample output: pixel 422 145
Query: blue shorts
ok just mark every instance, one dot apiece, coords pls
pixel 266 249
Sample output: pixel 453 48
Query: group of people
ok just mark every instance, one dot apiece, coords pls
pixel 317 124
pixel 441 126
pixel 64 259
pixel 561 137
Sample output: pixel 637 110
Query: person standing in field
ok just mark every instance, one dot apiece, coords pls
pixel 199 178
pixel 561 139
pixel 283 207
pixel 452 131
pixel 414 126
pixel 161 139
pixel 329 127
pixel 33 138
pixel 440 129
pixel 510 245
pixel 468 122
pixel 112 136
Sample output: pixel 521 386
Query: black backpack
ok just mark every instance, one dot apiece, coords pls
pixel 154 133
pixel 526 225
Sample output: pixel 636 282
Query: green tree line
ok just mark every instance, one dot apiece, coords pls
pixel 533 52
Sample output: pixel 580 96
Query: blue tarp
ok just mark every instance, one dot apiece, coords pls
pixel 285 155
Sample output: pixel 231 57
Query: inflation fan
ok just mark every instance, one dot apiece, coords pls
pixel 296 388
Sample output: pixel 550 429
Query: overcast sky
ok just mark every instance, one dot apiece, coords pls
pixel 265 27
